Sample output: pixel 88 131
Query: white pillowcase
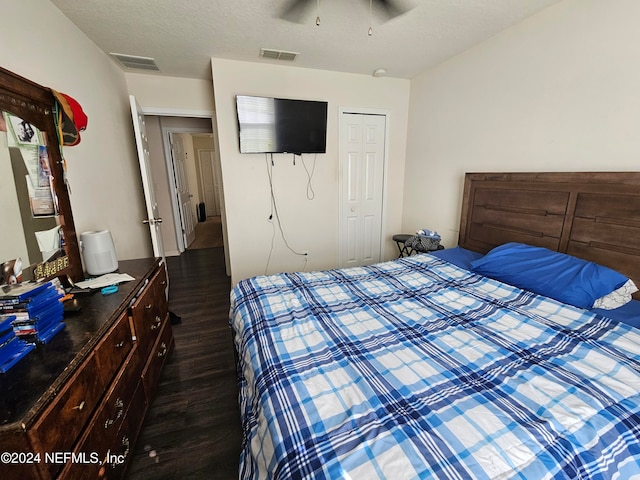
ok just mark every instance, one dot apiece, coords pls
pixel 617 298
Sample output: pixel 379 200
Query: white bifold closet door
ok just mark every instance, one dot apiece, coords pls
pixel 362 152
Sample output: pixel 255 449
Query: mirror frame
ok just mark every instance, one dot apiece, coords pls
pixel 36 104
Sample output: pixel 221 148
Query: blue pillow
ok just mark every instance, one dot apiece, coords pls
pixel 552 274
pixel 458 256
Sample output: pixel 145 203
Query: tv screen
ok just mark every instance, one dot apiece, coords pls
pixel 279 125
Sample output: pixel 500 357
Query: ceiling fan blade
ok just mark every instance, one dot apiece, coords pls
pixel 391 8
pixel 294 10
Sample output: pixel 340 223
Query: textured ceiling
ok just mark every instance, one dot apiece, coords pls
pixel 183 35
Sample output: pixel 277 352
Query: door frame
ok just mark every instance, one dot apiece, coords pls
pixel 385 176
pixel 168 157
pixel 211 115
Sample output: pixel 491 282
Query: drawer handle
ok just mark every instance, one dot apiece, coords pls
pixel 119 344
pixel 148 307
pixel 79 407
pixel 119 404
pixel 156 324
pixel 125 454
pixel 164 350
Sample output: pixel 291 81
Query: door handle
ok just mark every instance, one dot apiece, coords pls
pixel 152 221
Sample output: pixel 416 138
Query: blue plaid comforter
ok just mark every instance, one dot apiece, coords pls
pixel 416 369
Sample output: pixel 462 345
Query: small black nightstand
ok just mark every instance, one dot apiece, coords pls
pixel 400 240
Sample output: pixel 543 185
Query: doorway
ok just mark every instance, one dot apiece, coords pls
pixel 208 229
pixel 174 144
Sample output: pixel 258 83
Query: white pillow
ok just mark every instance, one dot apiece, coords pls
pixel 617 298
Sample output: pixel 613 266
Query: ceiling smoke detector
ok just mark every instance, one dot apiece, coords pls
pixel 278 54
pixel 136 62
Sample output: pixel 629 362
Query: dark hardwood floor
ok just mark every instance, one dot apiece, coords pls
pixel 192 430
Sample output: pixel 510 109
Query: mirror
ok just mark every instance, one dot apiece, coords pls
pixel 38 223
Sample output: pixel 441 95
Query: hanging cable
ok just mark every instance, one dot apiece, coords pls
pixel 270 219
pixel 370 32
pixel 318 16
pixel 276 215
pixel 311 194
pixel 273 238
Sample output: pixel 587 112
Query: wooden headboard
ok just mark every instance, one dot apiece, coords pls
pixel 591 215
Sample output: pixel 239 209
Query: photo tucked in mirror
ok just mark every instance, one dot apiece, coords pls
pixel 31 229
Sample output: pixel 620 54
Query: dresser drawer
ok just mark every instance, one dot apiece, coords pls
pixel 149 312
pixel 122 448
pixel 64 420
pixel 113 349
pixel 161 350
pixel 159 282
pixel 59 426
pixel 111 413
pixel 110 418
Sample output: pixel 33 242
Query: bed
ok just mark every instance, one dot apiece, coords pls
pixel 426 367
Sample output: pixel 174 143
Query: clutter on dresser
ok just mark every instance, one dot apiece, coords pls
pixel 11 271
pixel 103 281
pixel 30 313
pixel 12 349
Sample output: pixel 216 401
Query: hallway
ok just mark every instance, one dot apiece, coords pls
pixel 208 234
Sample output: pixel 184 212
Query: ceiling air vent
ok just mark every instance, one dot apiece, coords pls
pixel 133 61
pixel 278 54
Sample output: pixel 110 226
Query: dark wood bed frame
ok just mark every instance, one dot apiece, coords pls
pixel 590 215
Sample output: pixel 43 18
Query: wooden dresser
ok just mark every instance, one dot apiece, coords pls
pixel 73 408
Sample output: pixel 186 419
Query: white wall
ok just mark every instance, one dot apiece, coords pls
pixel 310 225
pixel 558 92
pixel 171 95
pixel 41 44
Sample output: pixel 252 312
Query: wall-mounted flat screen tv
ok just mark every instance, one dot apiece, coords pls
pixel 279 125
